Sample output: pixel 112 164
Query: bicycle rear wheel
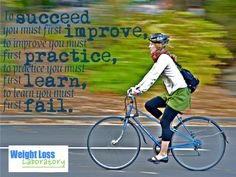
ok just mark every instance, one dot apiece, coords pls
pixel 112 145
pixel 204 147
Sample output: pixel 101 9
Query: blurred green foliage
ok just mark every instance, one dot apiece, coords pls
pixel 195 41
pixel 25 4
pixel 224 12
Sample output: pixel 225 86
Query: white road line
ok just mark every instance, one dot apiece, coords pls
pixel 62 124
pixel 92 123
pixel 118 171
pixel 117 148
pixel 46 124
pixel 56 116
pixel 150 173
pixel 99 148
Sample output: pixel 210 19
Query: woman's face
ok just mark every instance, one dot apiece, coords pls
pixel 153 47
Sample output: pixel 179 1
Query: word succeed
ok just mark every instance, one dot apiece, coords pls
pixel 54 18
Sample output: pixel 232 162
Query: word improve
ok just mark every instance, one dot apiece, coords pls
pixel 102 32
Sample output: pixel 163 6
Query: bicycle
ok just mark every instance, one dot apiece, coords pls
pixel 198 143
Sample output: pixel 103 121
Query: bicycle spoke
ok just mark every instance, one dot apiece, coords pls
pixel 113 145
pixel 208 144
pixel 210 136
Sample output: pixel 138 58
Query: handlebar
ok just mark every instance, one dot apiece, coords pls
pixel 130 96
pixel 133 101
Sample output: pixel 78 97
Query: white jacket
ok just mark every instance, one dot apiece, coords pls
pixel 171 75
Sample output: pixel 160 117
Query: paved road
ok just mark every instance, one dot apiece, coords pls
pixel 81 165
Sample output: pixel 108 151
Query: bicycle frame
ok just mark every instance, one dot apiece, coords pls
pixel 187 142
pixel 129 114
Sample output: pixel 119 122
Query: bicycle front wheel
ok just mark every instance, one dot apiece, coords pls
pixel 198 144
pixel 113 144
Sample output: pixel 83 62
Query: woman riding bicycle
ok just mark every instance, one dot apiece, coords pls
pixel 177 96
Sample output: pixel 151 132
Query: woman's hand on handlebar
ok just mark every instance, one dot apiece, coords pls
pixel 133 91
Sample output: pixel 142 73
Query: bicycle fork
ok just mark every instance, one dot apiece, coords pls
pixel 114 142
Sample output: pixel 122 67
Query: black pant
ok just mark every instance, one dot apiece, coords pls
pixel 168 115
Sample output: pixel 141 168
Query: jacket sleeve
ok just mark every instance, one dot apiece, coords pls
pixel 153 74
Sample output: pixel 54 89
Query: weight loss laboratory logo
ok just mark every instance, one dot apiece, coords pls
pixel 38 158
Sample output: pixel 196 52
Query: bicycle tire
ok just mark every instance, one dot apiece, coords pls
pixel 208 146
pixel 104 152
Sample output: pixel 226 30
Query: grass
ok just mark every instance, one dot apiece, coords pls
pixel 195 40
pixel 223 12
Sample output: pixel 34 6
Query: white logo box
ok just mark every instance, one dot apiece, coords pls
pixel 38 158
